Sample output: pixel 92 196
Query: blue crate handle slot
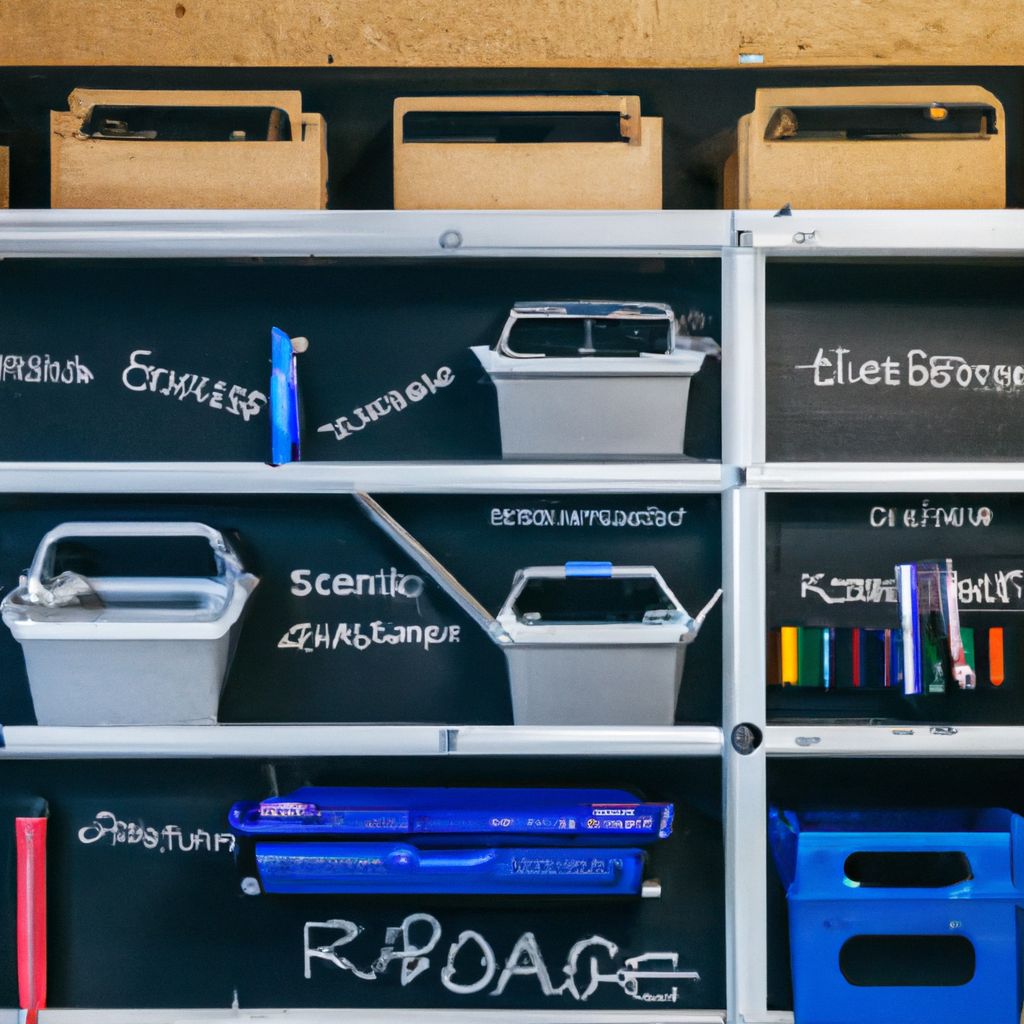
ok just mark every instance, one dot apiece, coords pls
pixel 588 569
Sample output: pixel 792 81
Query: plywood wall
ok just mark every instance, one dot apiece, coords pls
pixel 511 33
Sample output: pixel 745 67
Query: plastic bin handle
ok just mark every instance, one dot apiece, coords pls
pixel 41 570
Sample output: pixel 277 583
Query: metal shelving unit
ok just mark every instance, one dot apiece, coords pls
pixel 319 236
pixel 835 235
pixel 744 242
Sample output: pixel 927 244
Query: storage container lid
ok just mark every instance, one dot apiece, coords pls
pixel 597 815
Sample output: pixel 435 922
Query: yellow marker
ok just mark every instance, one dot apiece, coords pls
pixel 938 113
pixel 790 658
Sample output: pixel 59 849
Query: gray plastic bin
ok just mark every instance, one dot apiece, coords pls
pixel 587 643
pixel 588 380
pixel 594 644
pixel 127 650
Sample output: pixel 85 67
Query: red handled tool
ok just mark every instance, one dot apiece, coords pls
pixel 30 836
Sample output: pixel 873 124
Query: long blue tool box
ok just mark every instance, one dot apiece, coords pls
pixel 500 841
pixel 903 916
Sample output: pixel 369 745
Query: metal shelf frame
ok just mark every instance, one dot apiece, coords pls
pixel 361 234
pixel 371 1017
pixel 270 741
pixel 744 242
pixel 374 477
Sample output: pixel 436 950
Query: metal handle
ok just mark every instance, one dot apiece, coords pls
pixel 42 564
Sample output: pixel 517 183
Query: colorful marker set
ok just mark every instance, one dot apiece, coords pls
pixel 871 659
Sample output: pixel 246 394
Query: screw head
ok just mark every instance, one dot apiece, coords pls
pixel 251 886
pixel 746 738
pixel 451 240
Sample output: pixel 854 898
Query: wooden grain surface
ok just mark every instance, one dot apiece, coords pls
pixel 499 33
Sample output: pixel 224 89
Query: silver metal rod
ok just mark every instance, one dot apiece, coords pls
pixel 433 568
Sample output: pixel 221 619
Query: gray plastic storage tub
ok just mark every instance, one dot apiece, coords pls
pixel 588 380
pixel 594 644
pixel 587 643
pixel 128 650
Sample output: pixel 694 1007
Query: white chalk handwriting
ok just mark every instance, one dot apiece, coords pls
pixel 139 375
pixel 43 369
pixel 382 583
pixel 837 367
pixel 650 516
pixel 1002 588
pixel 471 964
pixel 928 515
pixel 392 401
pixel 110 830
pixel 315 636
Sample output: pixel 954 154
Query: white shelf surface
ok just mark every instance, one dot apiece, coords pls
pixel 889 477
pixel 672 741
pixel 362 233
pixel 200 741
pixel 375 477
pixel 894 740
pixel 555 1015
pixel 174 741
pixel 883 232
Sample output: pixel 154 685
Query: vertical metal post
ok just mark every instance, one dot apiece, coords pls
pixel 744 760
pixel 743 656
pixel 743 364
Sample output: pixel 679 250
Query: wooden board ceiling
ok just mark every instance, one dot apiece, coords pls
pixel 511 33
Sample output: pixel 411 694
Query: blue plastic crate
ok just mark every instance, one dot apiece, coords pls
pixel 903 916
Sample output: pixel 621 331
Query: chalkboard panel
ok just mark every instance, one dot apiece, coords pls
pixel 170 360
pixel 321 648
pixel 830 562
pixel 159 919
pixel 919 360
pixel 876 783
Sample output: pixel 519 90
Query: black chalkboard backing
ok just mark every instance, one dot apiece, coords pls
pixel 168 926
pixel 697 106
pixel 399 331
pixel 294 663
pixel 824 548
pixel 866 784
pixel 856 368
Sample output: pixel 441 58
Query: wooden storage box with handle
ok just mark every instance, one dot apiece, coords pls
pixel 870 147
pixel 526 152
pixel 158 149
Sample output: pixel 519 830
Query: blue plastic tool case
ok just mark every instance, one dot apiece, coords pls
pixel 903 916
pixel 436 840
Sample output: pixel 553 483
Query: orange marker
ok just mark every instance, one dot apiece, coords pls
pixel 996 672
